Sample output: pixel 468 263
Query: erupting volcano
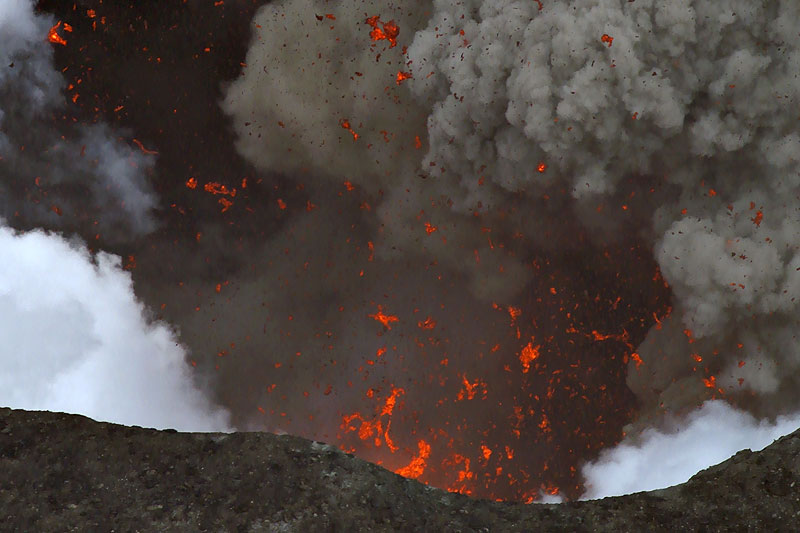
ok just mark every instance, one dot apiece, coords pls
pixel 502 247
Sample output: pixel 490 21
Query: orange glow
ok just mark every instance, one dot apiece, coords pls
pixel 541 167
pixel 402 76
pixel 390 31
pixel 374 429
pixel 529 354
pixel 430 228
pixel 225 203
pixel 486 452
pixel 383 318
pixel 191 183
pixel 758 218
pixel 391 401
pixel 54 37
pixel 344 123
pixel 143 149
pixel 416 467
pixel 470 389
pixel 428 323
pixel 606 38
pixel 217 188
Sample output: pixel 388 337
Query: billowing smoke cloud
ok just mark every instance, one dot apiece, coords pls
pixel 461 258
pixel 675 122
pixel 657 459
pixel 700 95
pixel 326 95
pixel 75 339
pixel 53 173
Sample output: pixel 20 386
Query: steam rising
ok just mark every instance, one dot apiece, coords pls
pixel 75 339
pixel 526 130
pixel 658 459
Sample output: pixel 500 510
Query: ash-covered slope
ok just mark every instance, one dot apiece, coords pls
pixel 65 472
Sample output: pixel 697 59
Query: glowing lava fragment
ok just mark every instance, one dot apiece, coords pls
pixel 758 218
pixel 383 318
pixel 430 228
pixel 469 390
pixel 54 37
pixel 389 31
pixel 428 323
pixel 402 76
pixel 138 143
pixel 225 203
pixel 217 188
pixel 541 167
pixel 606 38
pixel 486 451
pixel 345 124
pixel 527 356
pixel 416 467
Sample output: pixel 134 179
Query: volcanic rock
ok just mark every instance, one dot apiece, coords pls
pixel 64 472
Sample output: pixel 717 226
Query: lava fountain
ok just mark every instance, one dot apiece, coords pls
pixel 475 243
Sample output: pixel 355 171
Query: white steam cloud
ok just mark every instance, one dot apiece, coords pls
pixel 661 459
pixel 75 339
pixel 521 98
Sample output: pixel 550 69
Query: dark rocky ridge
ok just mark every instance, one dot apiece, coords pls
pixel 63 472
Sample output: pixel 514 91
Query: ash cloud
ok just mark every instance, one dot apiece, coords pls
pixel 72 177
pixel 525 136
pixel 604 99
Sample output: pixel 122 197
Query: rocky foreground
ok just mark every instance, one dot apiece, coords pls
pixel 62 472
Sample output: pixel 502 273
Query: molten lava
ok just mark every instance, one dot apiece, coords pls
pixel 500 401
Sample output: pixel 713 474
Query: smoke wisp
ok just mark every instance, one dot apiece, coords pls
pixel 57 174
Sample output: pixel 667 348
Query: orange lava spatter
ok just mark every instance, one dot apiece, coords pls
pixel 511 414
